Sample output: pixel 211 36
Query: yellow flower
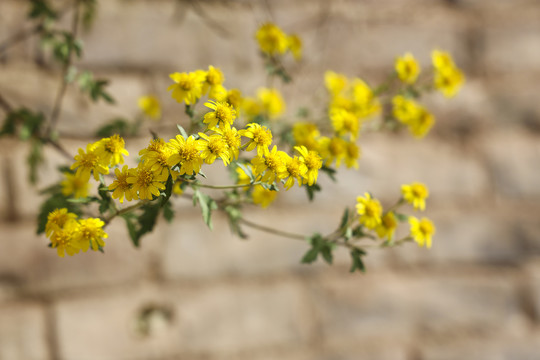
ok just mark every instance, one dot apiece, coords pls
pixel 120 187
pixel 223 114
pixel 272 40
pixel 332 149
pixel 352 155
pixel 156 155
pixel 150 106
pixel 335 83
pixel 214 77
pixel 262 196
pixel 74 186
pixel 365 102
pixel 213 147
pixel 271 165
pixel 146 182
pixel 186 154
pixel 415 194
pixel 232 139
pixel 64 239
pixel 387 227
pixel 441 59
pixel 422 231
pixel 90 234
pixel 407 68
pixel 88 162
pixel 345 122
pixel 261 137
pixel 294 169
pixel 234 98
pixel 111 149
pixel 306 134
pixel 313 163
pixel 57 219
pixel 295 45
pixel 272 102
pixel 177 187
pixel 403 109
pixel 370 211
pixel 422 123
pixel 449 81
pixel 187 87
pixel 218 92
pixel 251 107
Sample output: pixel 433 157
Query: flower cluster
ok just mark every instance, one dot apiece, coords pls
pixel 69 235
pixel 372 216
pixel 273 41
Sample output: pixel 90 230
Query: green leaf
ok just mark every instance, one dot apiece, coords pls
pixel 106 201
pixel 168 212
pixel 34 159
pixel 330 172
pixel 310 256
pixel 311 190
pixel 41 9
pixel 234 215
pixel 118 126
pixel 131 221
pixel 344 219
pixel 319 246
pixel 357 263
pixel 247 170
pixel 207 204
pixel 182 130
pixel 401 217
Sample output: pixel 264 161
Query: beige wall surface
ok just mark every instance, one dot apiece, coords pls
pixel 189 293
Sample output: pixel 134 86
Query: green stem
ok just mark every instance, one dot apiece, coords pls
pixel 272 230
pixel 125 211
pixel 224 187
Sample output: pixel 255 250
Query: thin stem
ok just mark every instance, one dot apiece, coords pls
pixel 63 84
pixel 272 230
pixel 221 187
pixel 124 211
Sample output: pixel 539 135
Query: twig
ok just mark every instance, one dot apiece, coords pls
pixel 272 230
pixel 63 84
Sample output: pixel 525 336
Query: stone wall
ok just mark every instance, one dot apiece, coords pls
pixel 189 293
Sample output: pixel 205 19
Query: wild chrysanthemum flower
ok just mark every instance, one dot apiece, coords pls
pixel 422 231
pixel 295 45
pixel 352 155
pixel 120 187
pixel 370 211
pixel 150 106
pixel 365 101
pixel 188 87
pixel 145 182
pixel 387 227
pixel 272 102
pixel 223 114
pixel 271 165
pixel 272 40
pixel 294 169
pixel 335 83
pixel 405 110
pixel 74 186
pixel 420 125
pixel 251 107
pixel 213 147
pixel 262 196
pixel 313 163
pixel 449 81
pixel 306 134
pixel 415 194
pixel 234 98
pixel 87 162
pixel 232 139
pixel 177 188
pixel 186 153
pixel 111 150
pixel 90 234
pixel 261 138
pixel 441 59
pixel 156 155
pixel 407 68
pixel 214 77
pixel 332 149
pixel 64 239
pixel 57 219
pixel 345 123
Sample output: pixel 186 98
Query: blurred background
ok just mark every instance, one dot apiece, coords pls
pixel 189 293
